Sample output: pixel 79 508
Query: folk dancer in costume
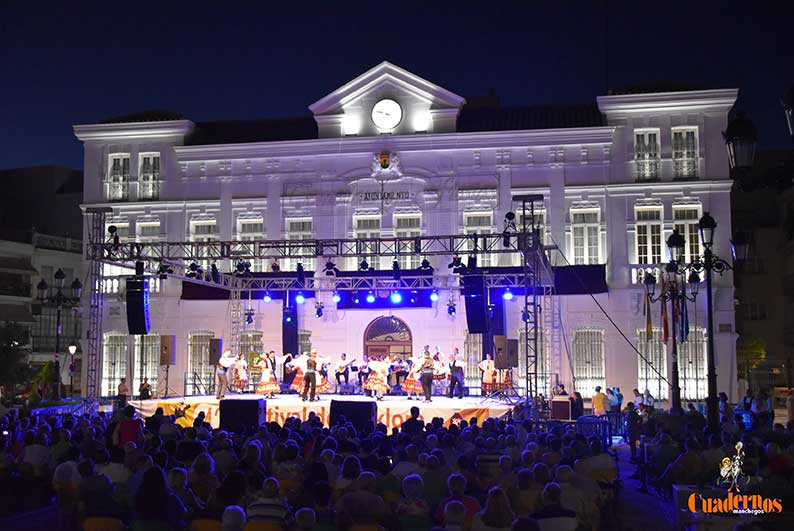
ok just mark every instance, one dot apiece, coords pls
pixel 279 365
pixel 267 382
pixel 222 381
pixel 439 372
pixel 377 381
pixel 488 369
pixel 411 385
pixel 426 372
pixel 240 381
pixel 456 367
pixel 300 366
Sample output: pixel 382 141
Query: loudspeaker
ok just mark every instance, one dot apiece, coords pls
pixel 137 290
pixel 474 297
pixel 363 415
pixel 216 349
pixel 512 352
pixel 242 414
pixel 289 331
pixel 167 350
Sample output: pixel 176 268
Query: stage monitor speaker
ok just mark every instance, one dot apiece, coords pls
pixel 512 352
pixel 242 414
pixel 137 290
pixel 561 408
pixel 363 415
pixel 216 349
pixel 167 350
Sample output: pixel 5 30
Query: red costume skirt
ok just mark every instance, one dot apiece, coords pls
pixel 322 383
pixel 268 383
pixel 375 382
pixel 411 385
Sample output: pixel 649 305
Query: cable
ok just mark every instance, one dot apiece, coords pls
pixel 609 318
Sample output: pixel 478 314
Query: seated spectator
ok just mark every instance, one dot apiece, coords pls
pixel 454 517
pixel 177 481
pixel 687 467
pixel 189 448
pixel 129 429
pixel 496 515
pixel 413 510
pixel 233 518
pixel 553 517
pixel 268 505
pixel 361 506
pixel 574 499
pixel 155 504
pixel 525 523
pixel 305 519
pixel 456 484
pixel 95 493
pixel 202 479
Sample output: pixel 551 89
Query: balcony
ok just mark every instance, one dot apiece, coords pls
pixel 638 271
pixel 149 189
pixel 685 168
pixel 118 191
pixel 647 170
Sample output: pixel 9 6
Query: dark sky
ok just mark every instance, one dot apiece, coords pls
pixel 79 62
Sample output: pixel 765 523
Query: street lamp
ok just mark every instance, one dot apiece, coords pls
pixel 59 300
pixel 72 351
pixel 741 138
pixel 675 293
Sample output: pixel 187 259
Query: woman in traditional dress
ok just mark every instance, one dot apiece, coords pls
pixel 377 379
pixel 411 384
pixel 299 365
pixel 267 382
pixel 240 381
pixel 488 374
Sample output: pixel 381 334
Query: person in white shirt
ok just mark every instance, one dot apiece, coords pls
pixel 342 370
pixel 638 400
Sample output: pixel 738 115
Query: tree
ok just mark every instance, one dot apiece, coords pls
pixel 14 369
pixel 750 353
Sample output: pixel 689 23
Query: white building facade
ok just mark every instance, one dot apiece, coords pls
pixel 616 181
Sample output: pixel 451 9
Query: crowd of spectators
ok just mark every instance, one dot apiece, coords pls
pixel 153 474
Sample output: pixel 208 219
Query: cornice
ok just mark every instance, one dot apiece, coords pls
pixel 695 100
pixel 399 143
pixel 134 131
pixel 712 186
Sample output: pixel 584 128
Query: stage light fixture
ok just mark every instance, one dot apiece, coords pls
pixel 356 299
pixel 451 310
pixel 249 316
pixel 301 274
pixel 274 267
pixel 363 266
pixel 288 318
pixel 370 297
pixel 318 310
pixel 164 270
pixel 395 267
pixel 396 297
pixel 434 295
pixel 193 270
pixel 507 295
pixel 425 266
pixel 299 298
pixel 330 268
pixel 215 274
pixel 456 262
pixel 336 297
pixel 267 297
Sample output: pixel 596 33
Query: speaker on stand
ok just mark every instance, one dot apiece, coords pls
pixel 167 358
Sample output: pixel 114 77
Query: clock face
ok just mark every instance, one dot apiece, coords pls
pixel 387 114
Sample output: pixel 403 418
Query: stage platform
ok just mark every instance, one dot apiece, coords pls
pixel 392 410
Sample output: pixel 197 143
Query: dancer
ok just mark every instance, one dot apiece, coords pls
pixel 488 374
pixel 456 366
pixel 222 381
pixel 299 366
pixel 377 379
pixel 267 382
pixel 241 374
pixel 411 385
pixel 426 371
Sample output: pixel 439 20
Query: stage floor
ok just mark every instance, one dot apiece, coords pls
pixel 392 410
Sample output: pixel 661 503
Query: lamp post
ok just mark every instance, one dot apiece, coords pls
pixel 674 292
pixel 72 351
pixel 59 300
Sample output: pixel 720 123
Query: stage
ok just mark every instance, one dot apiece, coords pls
pixel 392 410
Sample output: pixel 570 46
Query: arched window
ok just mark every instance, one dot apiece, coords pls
pixel 388 336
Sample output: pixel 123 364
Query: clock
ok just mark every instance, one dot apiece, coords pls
pixel 387 114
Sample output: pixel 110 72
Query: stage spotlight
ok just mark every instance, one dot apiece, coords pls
pixel 301 274
pixel 249 316
pixel 425 266
pixel 330 268
pixel 299 298
pixel 242 268
pixel 274 267
pixel 456 262
pixel 451 310
pixel 363 266
pixel 114 235
pixel 491 310
pixel 288 318
pixel 318 310
pixel 396 297
pixel 194 270
pixel 336 298
pixel 434 295
pixel 507 295
pixel 524 316
pixel 267 297
pixel 510 227
pixel 370 297
pixel 395 267
pixel 356 299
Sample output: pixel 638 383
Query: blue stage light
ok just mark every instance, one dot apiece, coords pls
pixel 299 298
pixel 267 297
pixel 370 297
pixel 434 295
pixel 336 298
pixel 507 295
pixel 396 297
pixel 451 310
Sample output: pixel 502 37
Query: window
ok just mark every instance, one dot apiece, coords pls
pixel 540 223
pixel 478 223
pixel 365 227
pixel 201 373
pixel 685 162
pixel 148 231
pixel 753 311
pixel 586 235
pixel 205 230
pixel 44 331
pixel 646 154
pixel 118 177
pixel 649 235
pixel 114 362
pixel 252 230
pixel 149 170
pixel 146 366
pixel 588 360
pixel 653 358
pixel 686 223
pixel 300 229
pixel 122 229
pixel 692 365
pixel 408 227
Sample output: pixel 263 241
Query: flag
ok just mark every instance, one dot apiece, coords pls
pixel 646 310
pixel 684 321
pixel 665 332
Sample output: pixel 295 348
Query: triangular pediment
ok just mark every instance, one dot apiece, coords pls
pixel 386 74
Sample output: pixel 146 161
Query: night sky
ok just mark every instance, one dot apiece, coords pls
pixel 80 62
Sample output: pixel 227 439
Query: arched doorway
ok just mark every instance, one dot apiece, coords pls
pixel 388 335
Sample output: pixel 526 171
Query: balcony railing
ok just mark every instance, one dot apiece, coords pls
pixel 685 168
pixel 149 189
pixel 118 191
pixel 647 169
pixel 638 272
